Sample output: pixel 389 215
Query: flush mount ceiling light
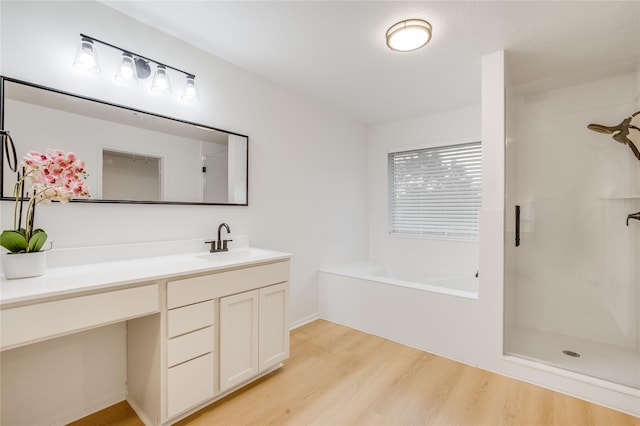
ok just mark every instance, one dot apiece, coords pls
pixel 408 35
pixel 133 67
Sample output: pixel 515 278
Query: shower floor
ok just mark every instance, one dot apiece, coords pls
pixel 612 363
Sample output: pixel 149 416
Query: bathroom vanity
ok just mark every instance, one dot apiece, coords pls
pixel 199 326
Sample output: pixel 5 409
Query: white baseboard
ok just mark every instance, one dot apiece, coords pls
pixel 91 408
pixel 304 321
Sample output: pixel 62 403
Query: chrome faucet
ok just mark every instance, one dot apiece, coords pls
pixel 220 245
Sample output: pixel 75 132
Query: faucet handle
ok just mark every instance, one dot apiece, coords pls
pixel 224 245
pixel 212 249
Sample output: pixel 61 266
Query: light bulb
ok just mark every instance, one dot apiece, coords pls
pixel 190 91
pixel 86 56
pixel 126 71
pixel 161 80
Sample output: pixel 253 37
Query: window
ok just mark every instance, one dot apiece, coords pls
pixel 435 191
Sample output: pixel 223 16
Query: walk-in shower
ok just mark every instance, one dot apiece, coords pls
pixel 572 285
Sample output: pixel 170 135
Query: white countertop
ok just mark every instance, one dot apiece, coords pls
pixel 67 280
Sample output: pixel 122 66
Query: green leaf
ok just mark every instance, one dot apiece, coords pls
pixel 37 240
pixel 14 241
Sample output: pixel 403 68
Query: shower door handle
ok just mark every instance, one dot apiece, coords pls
pixel 517 226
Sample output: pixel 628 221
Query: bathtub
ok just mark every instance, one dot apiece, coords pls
pixel 461 285
pixel 433 311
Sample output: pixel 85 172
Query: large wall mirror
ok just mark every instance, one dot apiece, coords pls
pixel 132 156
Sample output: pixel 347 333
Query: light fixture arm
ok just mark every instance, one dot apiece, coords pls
pixel 188 74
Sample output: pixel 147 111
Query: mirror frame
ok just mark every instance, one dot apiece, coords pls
pixel 4 197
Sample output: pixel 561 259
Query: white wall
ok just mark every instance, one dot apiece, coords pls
pixel 303 198
pixel 429 130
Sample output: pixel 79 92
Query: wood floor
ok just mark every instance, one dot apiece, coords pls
pixel 339 376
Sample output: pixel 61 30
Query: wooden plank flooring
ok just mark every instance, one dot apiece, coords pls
pixel 120 414
pixel 339 376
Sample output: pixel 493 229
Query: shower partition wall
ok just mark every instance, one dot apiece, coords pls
pixel 572 286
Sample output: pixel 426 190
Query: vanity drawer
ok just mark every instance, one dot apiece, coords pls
pixel 189 346
pixel 220 284
pixel 189 384
pixel 32 323
pixel 190 318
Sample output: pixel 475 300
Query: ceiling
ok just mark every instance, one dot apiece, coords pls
pixel 334 52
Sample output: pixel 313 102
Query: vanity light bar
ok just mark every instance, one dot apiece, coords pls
pixel 134 66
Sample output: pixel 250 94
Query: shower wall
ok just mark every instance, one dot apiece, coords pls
pixel 576 271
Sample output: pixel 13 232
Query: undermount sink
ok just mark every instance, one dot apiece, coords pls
pixel 235 255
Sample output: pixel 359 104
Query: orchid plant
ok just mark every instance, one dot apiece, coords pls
pixel 54 176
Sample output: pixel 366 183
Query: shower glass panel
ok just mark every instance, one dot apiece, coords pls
pixel 572 285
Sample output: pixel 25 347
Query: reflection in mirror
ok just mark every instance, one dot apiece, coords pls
pixel 131 176
pixel 131 155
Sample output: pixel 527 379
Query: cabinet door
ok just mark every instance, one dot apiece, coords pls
pixel 274 325
pixel 238 338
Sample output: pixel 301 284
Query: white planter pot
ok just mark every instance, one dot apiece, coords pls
pixel 24 265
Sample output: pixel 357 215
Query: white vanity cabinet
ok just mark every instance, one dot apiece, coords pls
pixel 239 333
pixel 216 332
pixel 198 326
pixel 274 325
pixel 254 333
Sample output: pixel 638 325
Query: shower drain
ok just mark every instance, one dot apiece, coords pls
pixel 571 353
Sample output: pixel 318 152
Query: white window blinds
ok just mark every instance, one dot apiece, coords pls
pixel 435 191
